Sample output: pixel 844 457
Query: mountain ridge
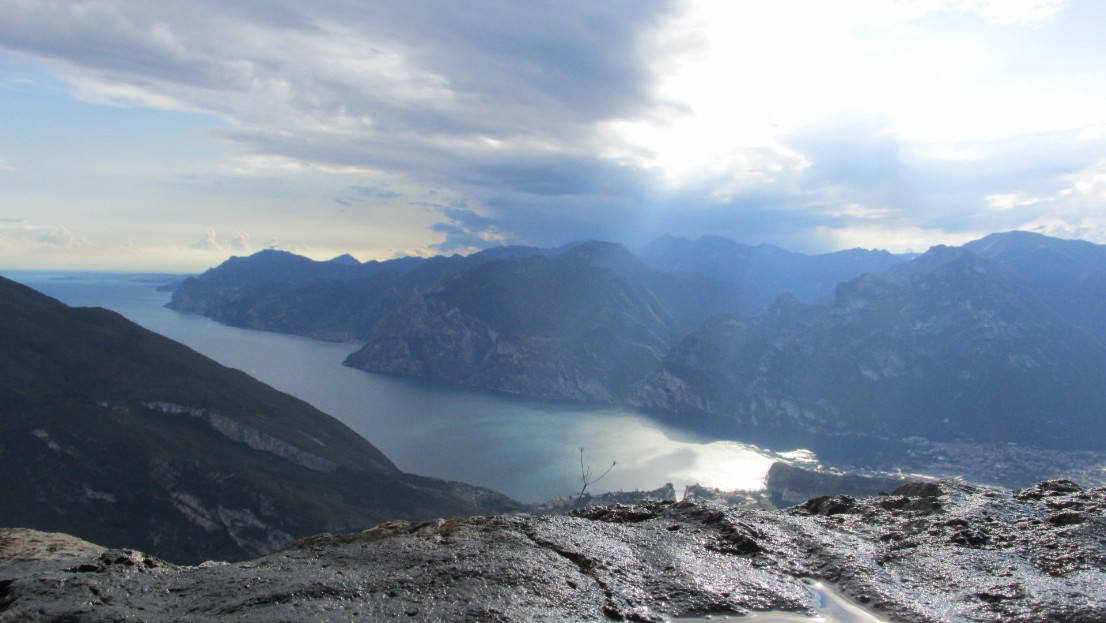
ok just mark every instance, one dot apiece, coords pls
pixel 940 347
pixel 593 321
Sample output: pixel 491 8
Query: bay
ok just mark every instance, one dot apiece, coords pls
pixel 527 449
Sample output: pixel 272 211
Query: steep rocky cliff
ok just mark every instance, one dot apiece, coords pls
pixel 788 485
pixel 945 552
pixel 1068 275
pixel 943 347
pixel 585 322
pixel 583 325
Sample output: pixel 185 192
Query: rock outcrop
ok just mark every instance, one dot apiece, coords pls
pixel 926 553
pixel 788 484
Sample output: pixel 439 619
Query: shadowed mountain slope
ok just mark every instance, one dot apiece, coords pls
pixel 1068 275
pixel 758 274
pixel 943 347
pixel 114 433
pixel 585 325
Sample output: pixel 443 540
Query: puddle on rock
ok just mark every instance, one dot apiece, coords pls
pixel 831 607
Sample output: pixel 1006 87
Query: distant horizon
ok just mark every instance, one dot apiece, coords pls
pixel 157 136
pixel 186 272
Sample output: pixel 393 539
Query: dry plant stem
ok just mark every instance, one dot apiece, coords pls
pixel 586 478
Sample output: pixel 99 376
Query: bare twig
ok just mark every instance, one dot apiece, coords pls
pixel 587 479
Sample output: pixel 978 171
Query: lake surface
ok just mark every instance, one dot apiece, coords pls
pixel 527 449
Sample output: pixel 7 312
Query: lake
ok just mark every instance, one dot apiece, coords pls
pixel 525 448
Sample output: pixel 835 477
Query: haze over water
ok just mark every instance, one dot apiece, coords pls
pixel 527 449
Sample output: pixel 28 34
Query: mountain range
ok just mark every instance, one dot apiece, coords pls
pixel 585 322
pixel 113 433
pixel 943 347
pixel 1000 340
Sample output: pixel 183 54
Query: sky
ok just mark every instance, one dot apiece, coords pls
pixel 165 135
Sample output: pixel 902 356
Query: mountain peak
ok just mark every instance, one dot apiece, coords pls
pixel 346 259
pixel 605 254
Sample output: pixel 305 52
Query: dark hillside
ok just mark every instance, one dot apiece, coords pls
pixel 943 347
pixel 112 432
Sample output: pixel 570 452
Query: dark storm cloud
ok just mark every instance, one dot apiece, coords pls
pixel 547 199
pixel 515 66
pixel 581 59
pixel 494 100
pixel 133 41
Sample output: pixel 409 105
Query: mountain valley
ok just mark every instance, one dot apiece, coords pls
pixel 129 440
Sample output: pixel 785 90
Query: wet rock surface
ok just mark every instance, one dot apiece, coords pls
pixel 933 552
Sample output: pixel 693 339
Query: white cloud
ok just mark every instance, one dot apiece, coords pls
pixel 1014 11
pixel 63 238
pixel 239 242
pixel 761 71
pixel 797 121
pixel 209 242
pixel 1009 201
pixel 1087 185
pixel 19 236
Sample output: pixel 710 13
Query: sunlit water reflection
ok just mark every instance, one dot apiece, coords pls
pixel 831 607
pixel 527 449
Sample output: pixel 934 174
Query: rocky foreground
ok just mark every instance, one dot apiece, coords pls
pixel 928 552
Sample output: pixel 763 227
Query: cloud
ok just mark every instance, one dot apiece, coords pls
pixel 842 180
pixel 424 71
pixel 20 235
pixel 1010 201
pixel 466 231
pixel 1015 11
pixel 801 123
pixel 489 101
pixel 1076 210
pixel 209 242
pixel 239 242
pixel 354 195
pixel 61 237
